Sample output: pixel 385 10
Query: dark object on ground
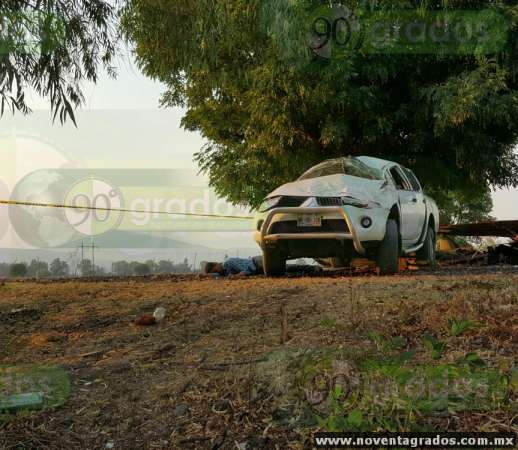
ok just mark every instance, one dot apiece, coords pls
pixel 503 254
pixel 303 269
pixel 20 315
pixel 181 410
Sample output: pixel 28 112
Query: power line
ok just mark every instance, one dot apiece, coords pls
pixel 140 211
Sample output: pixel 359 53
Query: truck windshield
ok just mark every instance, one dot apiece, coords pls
pixel 342 166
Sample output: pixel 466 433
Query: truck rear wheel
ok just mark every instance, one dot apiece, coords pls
pixel 388 251
pixel 427 253
pixel 274 263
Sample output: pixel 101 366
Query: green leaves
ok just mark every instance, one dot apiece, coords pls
pixel 436 347
pixel 355 419
pixel 51 47
pixel 473 360
pixel 513 380
pixel 387 344
pixel 340 419
pixel 459 327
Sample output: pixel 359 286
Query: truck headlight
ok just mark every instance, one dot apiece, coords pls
pixel 351 201
pixel 354 202
pixel 269 203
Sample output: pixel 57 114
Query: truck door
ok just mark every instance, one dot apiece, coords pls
pixel 413 208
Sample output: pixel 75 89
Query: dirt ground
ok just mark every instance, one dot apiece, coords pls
pixel 189 382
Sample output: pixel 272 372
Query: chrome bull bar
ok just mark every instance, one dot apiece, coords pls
pixel 352 235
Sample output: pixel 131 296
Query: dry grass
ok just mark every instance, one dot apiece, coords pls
pixel 131 385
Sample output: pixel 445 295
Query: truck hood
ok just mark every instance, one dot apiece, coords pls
pixel 339 186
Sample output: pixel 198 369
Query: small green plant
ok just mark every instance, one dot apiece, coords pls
pixel 459 327
pixel 328 323
pixel 397 343
pixel 392 348
pixel 472 360
pixel 513 381
pixel 378 340
pixel 340 419
pixel 384 344
pixel 436 347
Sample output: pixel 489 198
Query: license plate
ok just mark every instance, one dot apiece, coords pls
pixel 309 220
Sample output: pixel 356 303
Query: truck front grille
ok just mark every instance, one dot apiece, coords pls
pixel 329 201
pixel 328 226
pixel 290 202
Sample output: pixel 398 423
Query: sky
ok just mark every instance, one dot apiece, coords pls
pixel 122 127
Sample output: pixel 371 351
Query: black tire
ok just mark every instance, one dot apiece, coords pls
pixel 274 263
pixel 388 251
pixel 427 253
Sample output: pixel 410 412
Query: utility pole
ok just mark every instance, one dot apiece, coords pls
pixel 82 257
pixel 93 256
pixel 84 247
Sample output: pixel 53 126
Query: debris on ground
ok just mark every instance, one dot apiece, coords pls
pixel 493 228
pixel 159 314
pixel 145 321
pixel 503 254
pixel 19 314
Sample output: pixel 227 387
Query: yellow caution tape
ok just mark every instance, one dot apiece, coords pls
pixel 92 208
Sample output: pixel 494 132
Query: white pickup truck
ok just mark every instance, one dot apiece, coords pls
pixel 344 208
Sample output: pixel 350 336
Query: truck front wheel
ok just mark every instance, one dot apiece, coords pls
pixel 274 263
pixel 388 251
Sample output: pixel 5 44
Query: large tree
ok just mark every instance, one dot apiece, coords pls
pixel 270 107
pixel 463 206
pixel 51 47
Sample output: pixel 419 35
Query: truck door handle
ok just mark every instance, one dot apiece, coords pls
pixel 414 200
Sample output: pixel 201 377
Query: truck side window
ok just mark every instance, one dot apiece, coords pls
pixel 401 183
pixel 413 180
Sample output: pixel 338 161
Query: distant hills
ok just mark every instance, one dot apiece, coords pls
pixel 116 239
pixel 127 245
